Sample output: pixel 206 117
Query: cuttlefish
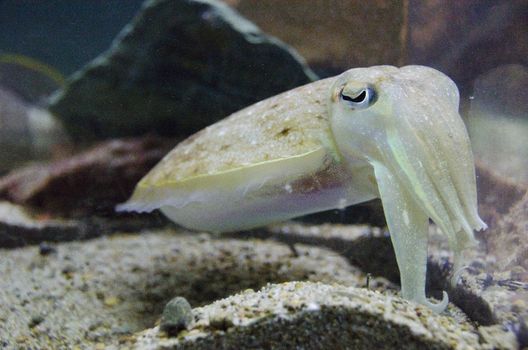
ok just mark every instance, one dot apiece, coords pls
pixel 378 132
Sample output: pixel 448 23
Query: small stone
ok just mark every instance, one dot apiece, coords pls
pixel 111 300
pixel 123 329
pixel 35 321
pixel 46 249
pixel 68 271
pixel 176 316
pixel 21 339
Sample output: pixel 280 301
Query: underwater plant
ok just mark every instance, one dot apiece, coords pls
pixel 387 132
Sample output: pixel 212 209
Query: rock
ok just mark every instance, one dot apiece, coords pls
pixel 92 182
pixel 336 30
pixel 143 272
pixel 177 315
pixel 500 304
pixel 488 35
pixel 493 289
pixel 317 316
pixel 368 248
pixel 494 299
pixel 176 68
pixel 46 249
pixel 498 120
pixel 27 132
pixel 20 227
pixel 502 91
pixel 508 240
pixel 35 321
pixel 370 212
pixel 496 194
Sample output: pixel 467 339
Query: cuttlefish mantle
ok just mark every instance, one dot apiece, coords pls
pixel 387 132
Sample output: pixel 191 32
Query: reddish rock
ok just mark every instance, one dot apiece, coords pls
pixel 496 196
pixel 467 38
pixel 503 205
pixel 334 34
pixel 508 241
pixel 90 182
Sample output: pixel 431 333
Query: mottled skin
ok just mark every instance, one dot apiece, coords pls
pixel 370 132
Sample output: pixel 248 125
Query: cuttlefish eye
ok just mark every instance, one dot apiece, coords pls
pixel 359 98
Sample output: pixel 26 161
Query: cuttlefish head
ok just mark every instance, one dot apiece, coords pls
pixel 405 123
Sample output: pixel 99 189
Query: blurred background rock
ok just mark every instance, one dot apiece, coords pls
pixel 27 130
pixel 335 35
pixel 176 68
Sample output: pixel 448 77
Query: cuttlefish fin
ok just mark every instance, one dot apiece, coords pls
pixel 408 225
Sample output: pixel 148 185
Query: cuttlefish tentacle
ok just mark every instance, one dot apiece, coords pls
pixel 417 144
pixel 407 222
pixel 430 146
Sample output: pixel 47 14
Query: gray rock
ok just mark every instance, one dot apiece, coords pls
pixel 27 132
pixel 176 68
pixel 177 315
pixel 135 276
pixel 509 239
pixel 317 316
pixel 20 227
pixel 495 286
pixel 502 92
pixel 335 36
pixel 90 292
pixel 488 35
pixel 497 120
pixel 495 299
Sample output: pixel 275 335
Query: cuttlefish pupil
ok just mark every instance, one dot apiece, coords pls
pixel 359 99
pixel 383 132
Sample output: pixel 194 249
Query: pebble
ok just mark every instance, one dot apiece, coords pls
pixel 46 249
pixel 177 316
pixel 111 301
pixel 35 321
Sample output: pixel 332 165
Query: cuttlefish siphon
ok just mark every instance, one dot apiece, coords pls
pixel 378 132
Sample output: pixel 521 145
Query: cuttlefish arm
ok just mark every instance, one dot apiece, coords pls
pixel 405 124
pixel 407 224
pixel 429 151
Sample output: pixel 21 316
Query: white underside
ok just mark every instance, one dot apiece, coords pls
pixel 224 212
